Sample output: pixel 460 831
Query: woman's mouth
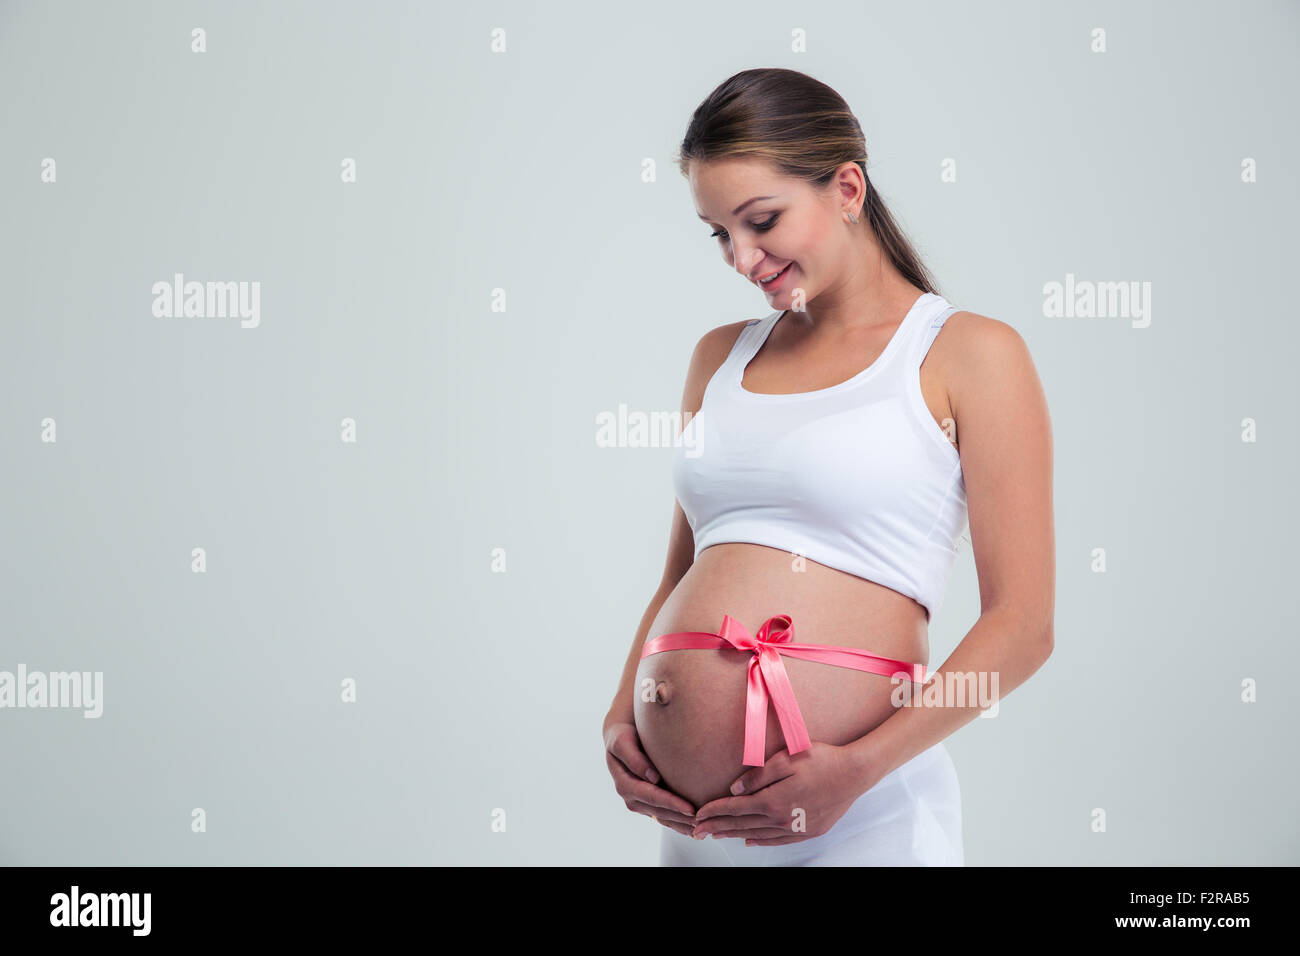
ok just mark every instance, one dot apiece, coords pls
pixel 776 280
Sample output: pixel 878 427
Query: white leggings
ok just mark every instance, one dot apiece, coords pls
pixel 912 817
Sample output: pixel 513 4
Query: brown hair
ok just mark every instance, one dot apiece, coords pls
pixel 806 130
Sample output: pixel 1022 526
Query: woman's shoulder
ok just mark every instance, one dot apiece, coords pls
pixel 723 338
pixel 710 353
pixel 977 353
pixel 975 338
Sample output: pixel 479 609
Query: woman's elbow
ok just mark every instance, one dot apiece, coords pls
pixel 1045 641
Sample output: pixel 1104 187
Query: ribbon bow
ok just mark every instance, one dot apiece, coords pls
pixel 767 674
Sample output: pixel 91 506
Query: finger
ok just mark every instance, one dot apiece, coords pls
pixel 733 807
pixel 778 841
pixel 683 828
pixel 760 833
pixel 659 797
pixel 630 786
pixel 660 814
pixel 627 748
pixel 730 826
pixel 776 768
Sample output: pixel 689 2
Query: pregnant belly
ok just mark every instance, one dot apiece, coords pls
pixel 690 704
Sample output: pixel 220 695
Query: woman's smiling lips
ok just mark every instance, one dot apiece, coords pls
pixel 775 282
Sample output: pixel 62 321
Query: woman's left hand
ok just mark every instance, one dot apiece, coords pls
pixel 788 799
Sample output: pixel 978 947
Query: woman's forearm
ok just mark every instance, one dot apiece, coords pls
pixel 997 655
pixel 621 710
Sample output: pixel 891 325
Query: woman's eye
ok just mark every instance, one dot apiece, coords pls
pixel 758 227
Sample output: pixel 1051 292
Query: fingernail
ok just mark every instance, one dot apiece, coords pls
pixel 738 787
pixel 696 834
pixel 651 775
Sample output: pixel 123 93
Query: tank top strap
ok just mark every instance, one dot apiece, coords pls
pixel 930 331
pixel 749 341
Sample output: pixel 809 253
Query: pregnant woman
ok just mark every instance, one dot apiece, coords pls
pixel 770 710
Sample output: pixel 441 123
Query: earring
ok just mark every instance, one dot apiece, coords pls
pixel 849 217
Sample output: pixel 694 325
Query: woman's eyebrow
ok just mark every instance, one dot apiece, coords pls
pixel 736 211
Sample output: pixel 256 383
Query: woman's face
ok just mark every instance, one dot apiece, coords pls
pixel 783 225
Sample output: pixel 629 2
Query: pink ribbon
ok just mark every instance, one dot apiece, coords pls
pixel 767 674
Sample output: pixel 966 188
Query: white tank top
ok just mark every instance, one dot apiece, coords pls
pixel 857 477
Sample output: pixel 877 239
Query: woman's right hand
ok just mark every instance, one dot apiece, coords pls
pixel 632 773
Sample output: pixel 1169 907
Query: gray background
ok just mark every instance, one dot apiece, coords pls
pixel 521 171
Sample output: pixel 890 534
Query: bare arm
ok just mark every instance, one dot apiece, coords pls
pixel 621 711
pixel 635 778
pixel 1005 439
pixel 710 352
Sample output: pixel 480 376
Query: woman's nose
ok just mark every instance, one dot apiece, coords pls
pixel 745 259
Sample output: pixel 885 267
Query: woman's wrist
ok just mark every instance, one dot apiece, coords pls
pixel 617 716
pixel 864 762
